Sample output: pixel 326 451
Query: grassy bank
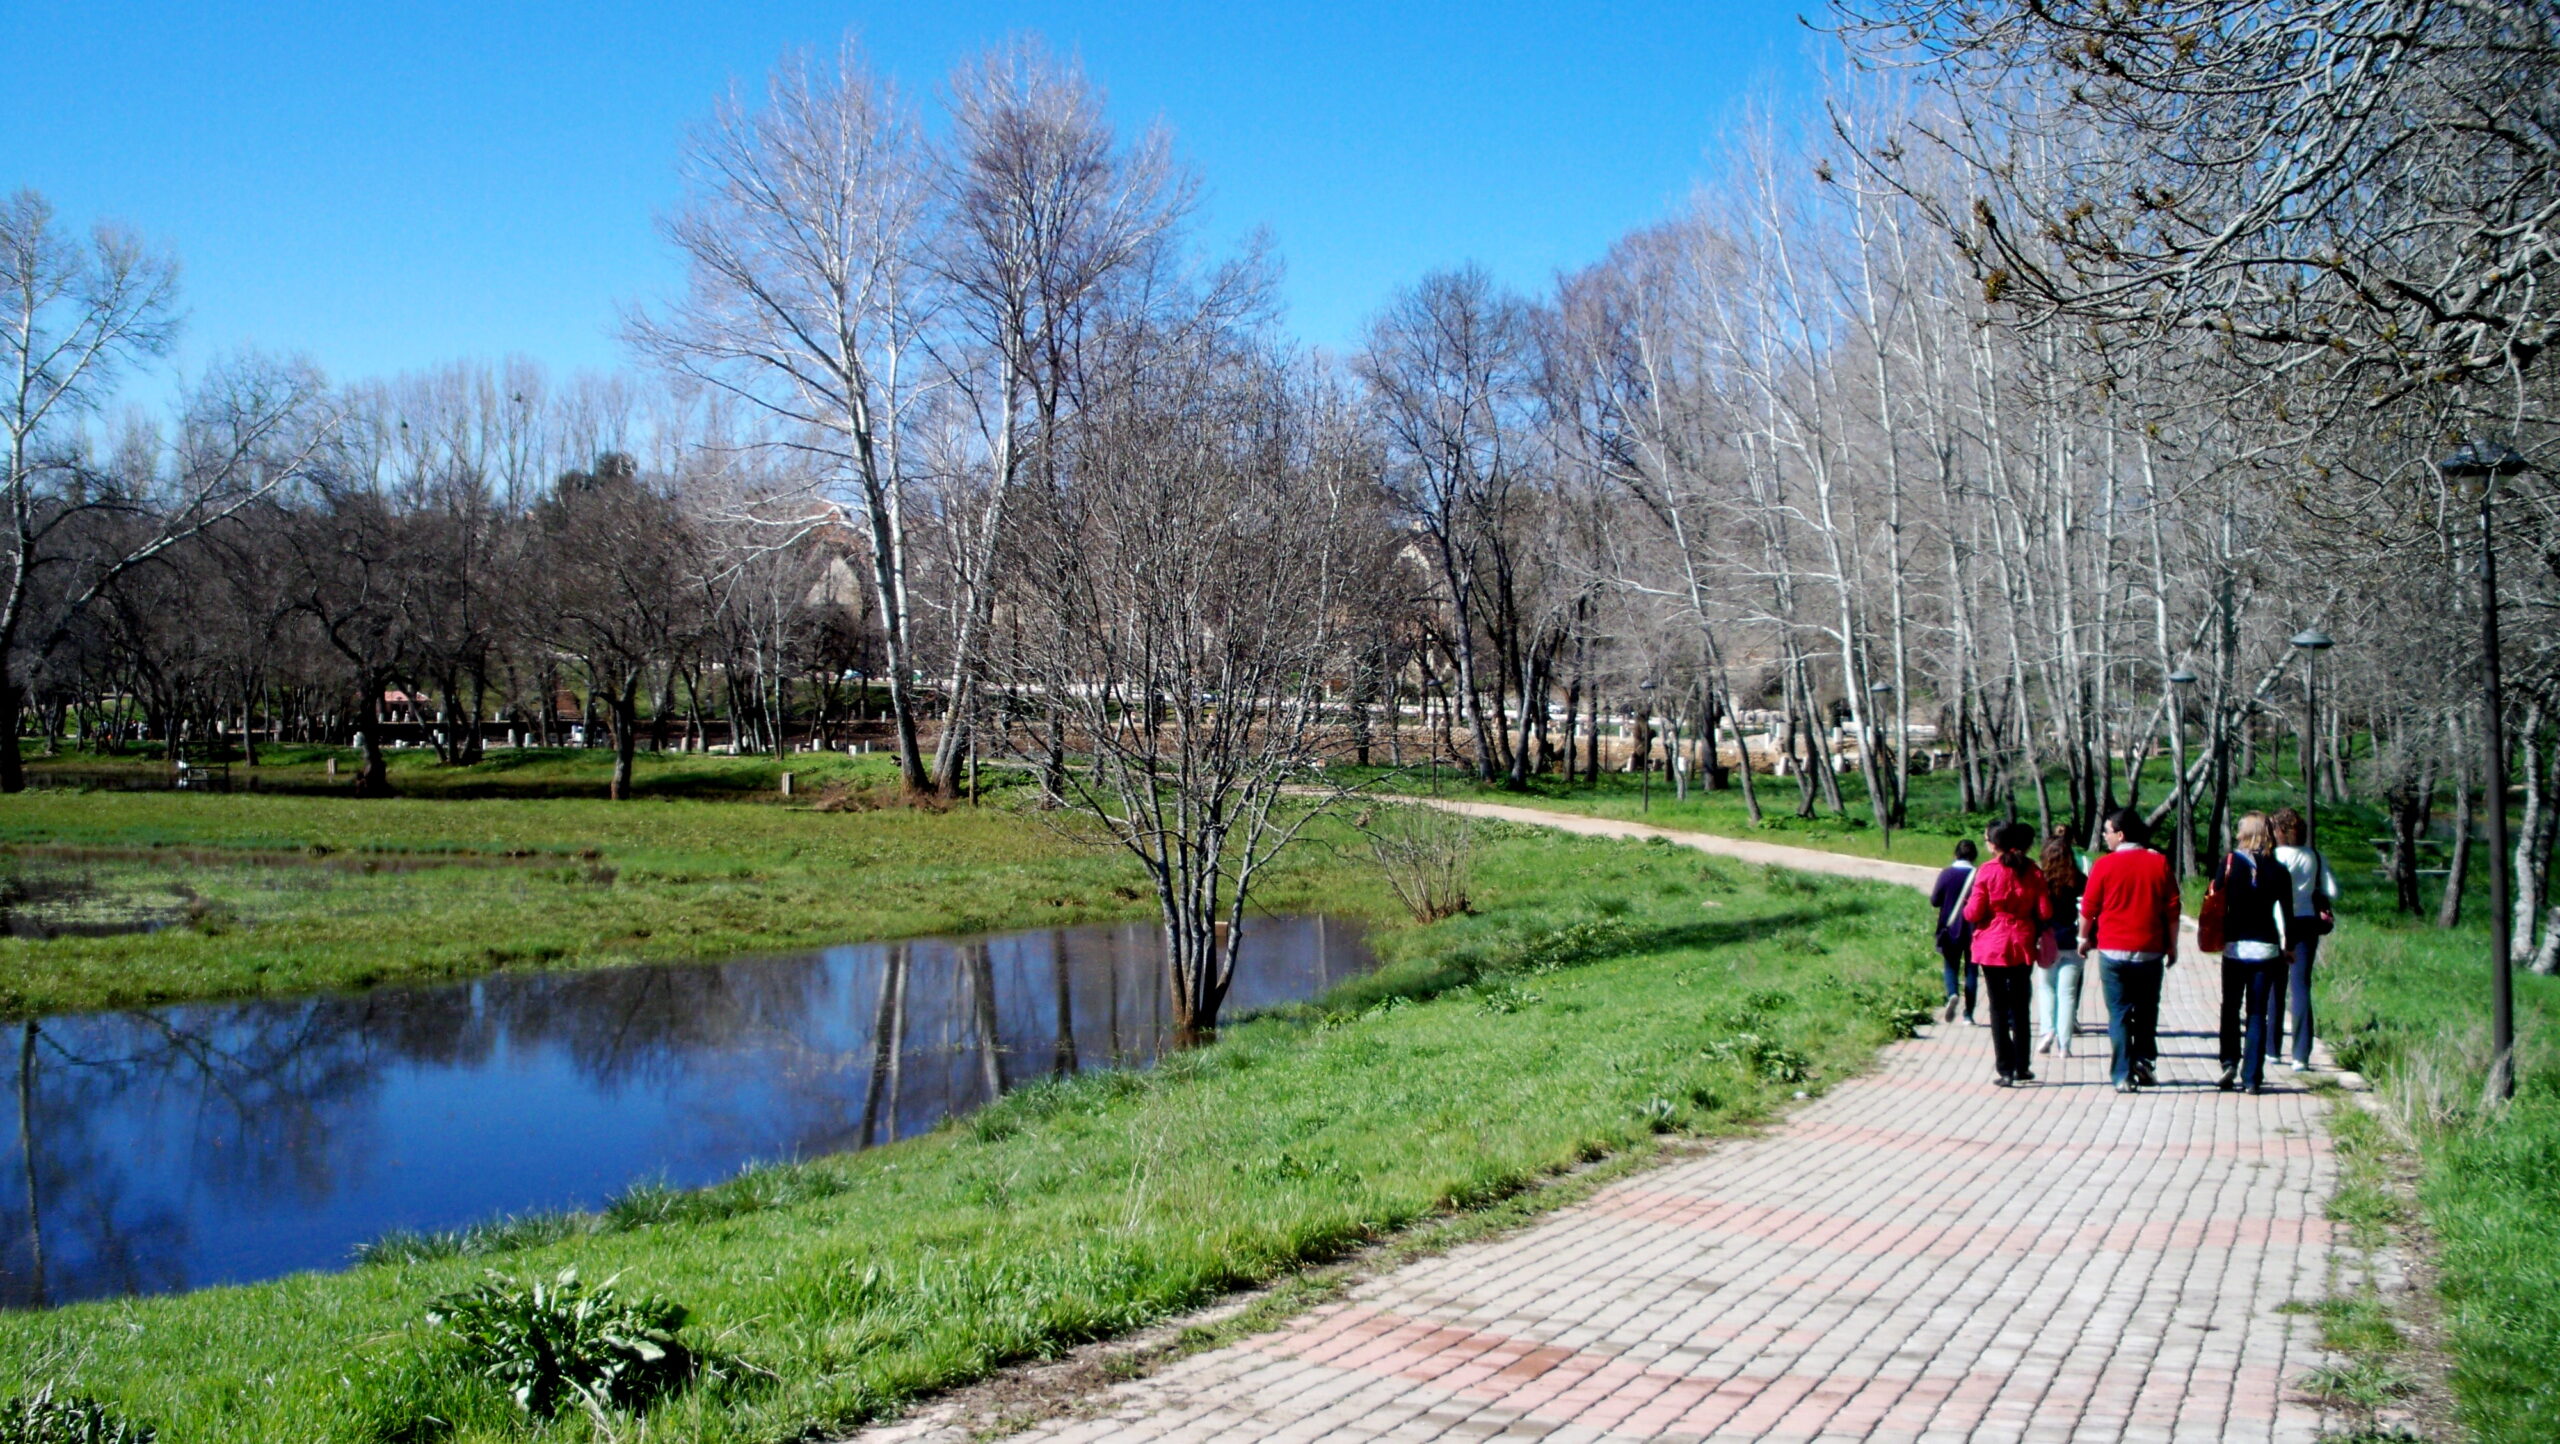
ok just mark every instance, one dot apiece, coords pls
pixel 2409 1006
pixel 1604 991
pixel 297 893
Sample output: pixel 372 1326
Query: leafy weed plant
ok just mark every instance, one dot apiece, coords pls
pixel 40 1418
pixel 557 1341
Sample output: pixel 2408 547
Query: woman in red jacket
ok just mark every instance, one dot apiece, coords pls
pixel 2008 907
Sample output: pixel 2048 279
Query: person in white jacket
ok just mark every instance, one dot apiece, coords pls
pixel 2315 901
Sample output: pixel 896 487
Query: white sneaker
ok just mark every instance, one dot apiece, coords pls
pixel 2291 1066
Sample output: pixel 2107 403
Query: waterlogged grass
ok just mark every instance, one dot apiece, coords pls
pixel 295 894
pixel 503 772
pixel 1606 992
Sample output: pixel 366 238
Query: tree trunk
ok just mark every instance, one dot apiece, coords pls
pixel 626 737
pixel 13 766
pixel 2457 870
pixel 2532 839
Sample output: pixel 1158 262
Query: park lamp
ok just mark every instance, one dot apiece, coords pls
pixel 2311 642
pixel 2477 467
pixel 2480 465
pixel 2182 856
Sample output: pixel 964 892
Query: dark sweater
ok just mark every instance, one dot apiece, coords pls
pixel 1953 931
pixel 2257 900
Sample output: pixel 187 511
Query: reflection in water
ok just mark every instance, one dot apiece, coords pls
pixel 216 1143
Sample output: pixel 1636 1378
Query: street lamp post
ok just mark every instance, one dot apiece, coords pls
pixel 1892 810
pixel 2481 464
pixel 1644 738
pixel 2313 642
pixel 2183 856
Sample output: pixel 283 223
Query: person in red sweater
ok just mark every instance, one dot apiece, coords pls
pixel 2129 918
pixel 2008 906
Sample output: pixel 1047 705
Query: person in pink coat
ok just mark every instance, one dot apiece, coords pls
pixel 2008 907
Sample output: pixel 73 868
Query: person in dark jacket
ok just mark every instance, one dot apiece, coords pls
pixel 1955 935
pixel 2257 917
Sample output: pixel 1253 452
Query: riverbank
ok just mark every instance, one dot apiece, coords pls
pixel 2408 1006
pixel 1602 992
pixel 292 894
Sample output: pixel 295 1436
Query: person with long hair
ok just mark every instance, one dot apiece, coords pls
pixel 2008 908
pixel 2315 900
pixel 2056 995
pixel 2257 917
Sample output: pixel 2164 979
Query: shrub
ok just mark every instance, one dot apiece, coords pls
pixel 552 1341
pixel 40 1418
pixel 1766 1058
pixel 1426 856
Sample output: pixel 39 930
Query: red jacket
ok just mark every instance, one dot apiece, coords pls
pixel 2006 908
pixel 2133 902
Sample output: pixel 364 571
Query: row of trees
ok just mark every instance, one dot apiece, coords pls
pixel 2010 414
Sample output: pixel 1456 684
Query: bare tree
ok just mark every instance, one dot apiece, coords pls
pixel 1055 231
pixel 72 317
pixel 615 563
pixel 1195 568
pixel 802 231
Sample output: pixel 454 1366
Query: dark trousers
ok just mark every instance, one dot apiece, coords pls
pixel 2247 989
pixel 2010 989
pixel 1960 970
pixel 2306 952
pixel 2133 1013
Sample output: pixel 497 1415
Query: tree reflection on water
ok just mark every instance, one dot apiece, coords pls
pixel 184 1146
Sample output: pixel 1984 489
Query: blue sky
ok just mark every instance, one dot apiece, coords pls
pixel 388 186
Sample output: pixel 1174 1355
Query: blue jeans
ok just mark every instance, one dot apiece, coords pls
pixel 1961 973
pixel 2306 951
pixel 2248 986
pixel 2132 991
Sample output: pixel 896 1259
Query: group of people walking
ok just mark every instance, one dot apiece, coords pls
pixel 2022 929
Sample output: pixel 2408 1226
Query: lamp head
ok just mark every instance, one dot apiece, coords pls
pixel 2479 464
pixel 2182 678
pixel 2312 639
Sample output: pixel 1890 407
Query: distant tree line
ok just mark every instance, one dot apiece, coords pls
pixel 2009 415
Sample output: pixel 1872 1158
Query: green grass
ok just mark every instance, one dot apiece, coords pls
pixel 283 900
pixel 2409 1007
pixel 1935 820
pixel 1595 1000
pixel 509 772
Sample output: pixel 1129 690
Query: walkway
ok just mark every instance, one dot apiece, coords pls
pixel 1916 1256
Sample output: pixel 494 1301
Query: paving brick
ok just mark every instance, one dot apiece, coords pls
pixel 1916 1256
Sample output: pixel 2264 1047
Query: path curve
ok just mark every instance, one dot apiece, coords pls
pixel 1915 1256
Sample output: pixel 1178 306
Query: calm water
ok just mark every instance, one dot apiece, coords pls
pixel 218 1143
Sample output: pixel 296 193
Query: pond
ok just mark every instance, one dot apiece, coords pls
pixel 178 1147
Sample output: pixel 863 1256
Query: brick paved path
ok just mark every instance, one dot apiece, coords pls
pixel 1915 1256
